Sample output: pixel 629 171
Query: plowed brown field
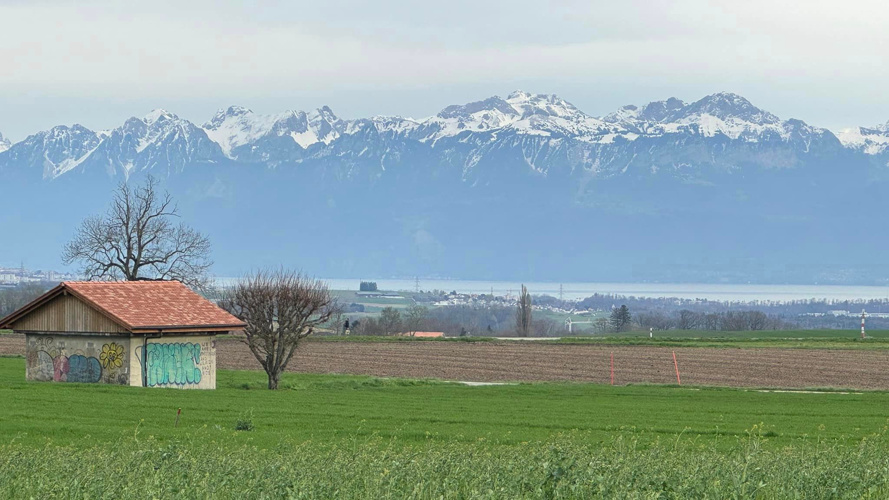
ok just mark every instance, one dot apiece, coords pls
pixel 12 344
pixel 529 361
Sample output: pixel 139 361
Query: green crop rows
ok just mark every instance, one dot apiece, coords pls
pixel 360 437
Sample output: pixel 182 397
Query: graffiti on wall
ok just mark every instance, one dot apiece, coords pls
pixel 112 356
pixel 174 364
pixel 53 361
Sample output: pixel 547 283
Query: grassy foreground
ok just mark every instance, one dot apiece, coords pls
pixel 566 466
pixel 360 437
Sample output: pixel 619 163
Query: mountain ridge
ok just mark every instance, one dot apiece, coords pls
pixel 163 140
pixel 522 187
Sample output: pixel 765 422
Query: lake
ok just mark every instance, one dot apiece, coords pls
pixel 721 292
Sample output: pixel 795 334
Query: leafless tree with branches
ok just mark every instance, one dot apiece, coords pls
pixel 280 308
pixel 138 239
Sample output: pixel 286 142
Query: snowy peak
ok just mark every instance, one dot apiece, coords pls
pixel 4 143
pixel 724 106
pixel 159 115
pixel 723 113
pixel 237 126
pixel 159 140
pixel 870 141
pixel 324 113
pixel 517 105
pixel 542 105
pixel 233 112
pixel 55 151
pixel 728 106
pixel 495 111
pixel 653 112
pixel 467 111
pixel 521 112
pixel 661 111
pixel 156 127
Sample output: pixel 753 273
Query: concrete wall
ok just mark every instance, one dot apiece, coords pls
pixel 183 361
pixel 78 358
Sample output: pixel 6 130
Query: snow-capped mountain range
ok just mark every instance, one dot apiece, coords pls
pixel 522 187
pixel 542 132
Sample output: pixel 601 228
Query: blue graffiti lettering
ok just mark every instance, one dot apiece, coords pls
pixel 176 364
pixel 83 369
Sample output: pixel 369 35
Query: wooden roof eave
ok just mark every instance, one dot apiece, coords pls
pixel 6 323
pixel 189 329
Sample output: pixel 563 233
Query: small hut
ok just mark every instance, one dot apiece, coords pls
pixel 138 333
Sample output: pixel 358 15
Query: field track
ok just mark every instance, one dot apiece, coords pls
pixel 514 361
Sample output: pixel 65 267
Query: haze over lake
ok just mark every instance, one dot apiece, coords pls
pixel 722 292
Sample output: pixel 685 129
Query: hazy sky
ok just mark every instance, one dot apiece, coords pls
pixel 97 63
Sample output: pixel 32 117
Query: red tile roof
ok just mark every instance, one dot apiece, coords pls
pixel 428 334
pixel 145 305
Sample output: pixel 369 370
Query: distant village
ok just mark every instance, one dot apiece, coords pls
pixel 15 276
pixel 441 298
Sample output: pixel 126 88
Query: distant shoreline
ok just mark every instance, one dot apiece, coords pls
pixel 581 290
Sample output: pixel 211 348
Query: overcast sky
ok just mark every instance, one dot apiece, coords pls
pixel 97 63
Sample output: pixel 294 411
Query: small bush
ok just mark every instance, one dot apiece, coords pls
pixel 245 421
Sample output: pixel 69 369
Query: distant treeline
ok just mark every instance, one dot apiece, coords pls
pixel 730 321
pixel 794 307
pixel 452 320
pixel 15 297
pixel 807 314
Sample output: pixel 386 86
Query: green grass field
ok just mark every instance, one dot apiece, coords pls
pixel 325 407
pixel 350 436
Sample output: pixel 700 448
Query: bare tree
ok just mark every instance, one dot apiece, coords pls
pixel 139 239
pixel 390 321
pixel 756 320
pixel 689 320
pixel 656 320
pixel 601 325
pixel 523 323
pixel 413 318
pixel 546 327
pixel 367 326
pixel 280 308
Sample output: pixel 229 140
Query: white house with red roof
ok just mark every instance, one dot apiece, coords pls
pixel 138 333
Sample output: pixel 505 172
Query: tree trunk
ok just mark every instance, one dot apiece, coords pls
pixel 273 379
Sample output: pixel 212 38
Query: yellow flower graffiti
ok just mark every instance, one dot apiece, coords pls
pixel 112 356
